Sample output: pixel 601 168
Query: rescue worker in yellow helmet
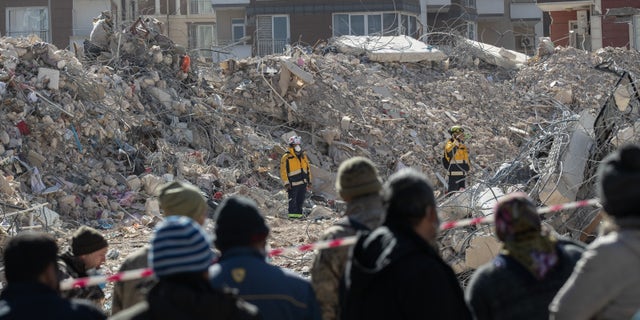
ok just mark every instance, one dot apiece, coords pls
pixel 296 176
pixel 456 154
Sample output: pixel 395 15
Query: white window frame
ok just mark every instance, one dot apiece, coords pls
pixel 274 43
pixel 46 28
pixel 399 17
pixel 201 7
pixel 235 23
pixel 199 29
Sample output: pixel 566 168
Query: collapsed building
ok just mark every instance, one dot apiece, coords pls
pixel 88 139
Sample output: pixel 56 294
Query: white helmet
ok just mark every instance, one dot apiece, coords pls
pixel 295 140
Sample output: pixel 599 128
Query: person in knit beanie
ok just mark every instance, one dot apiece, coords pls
pixel 87 253
pixel 183 199
pixel 177 198
pixel 612 260
pixel 530 261
pixel 33 288
pixel 358 184
pixel 241 234
pixel 180 257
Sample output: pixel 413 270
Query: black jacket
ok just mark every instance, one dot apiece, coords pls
pixel 503 289
pixel 395 274
pixel 70 266
pixel 188 298
pixel 32 300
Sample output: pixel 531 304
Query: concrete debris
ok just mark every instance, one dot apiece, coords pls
pixel 94 134
pixel 389 48
pixel 497 56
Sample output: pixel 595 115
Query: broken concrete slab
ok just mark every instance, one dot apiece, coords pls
pixel 306 77
pixel 389 48
pixel 562 186
pixel 497 56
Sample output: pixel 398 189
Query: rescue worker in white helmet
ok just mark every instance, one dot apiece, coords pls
pixel 456 154
pixel 296 176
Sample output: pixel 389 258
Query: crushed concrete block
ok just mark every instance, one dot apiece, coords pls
pixel 110 181
pixel 345 123
pixel 5 187
pixel 323 182
pixel 152 207
pixel 622 97
pixel 152 184
pixel 4 137
pixel 564 95
pixel 283 82
pixel 134 183
pixel 298 72
pixel 35 159
pixel 624 135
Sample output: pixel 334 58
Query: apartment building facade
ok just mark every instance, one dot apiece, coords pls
pixel 593 24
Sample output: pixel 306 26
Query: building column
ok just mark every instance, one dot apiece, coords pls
pixel 596 26
pixel 157 7
pixel 423 16
pixel 178 11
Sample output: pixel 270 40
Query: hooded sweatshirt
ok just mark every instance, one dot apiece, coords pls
pixel 395 274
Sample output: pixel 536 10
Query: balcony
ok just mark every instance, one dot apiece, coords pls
pixel 561 5
pixel 267 47
pixel 229 3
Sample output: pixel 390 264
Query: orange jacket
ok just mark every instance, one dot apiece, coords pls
pixel 185 64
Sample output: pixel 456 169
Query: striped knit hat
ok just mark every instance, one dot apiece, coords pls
pixel 179 245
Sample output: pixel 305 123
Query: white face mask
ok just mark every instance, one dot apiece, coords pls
pixel 297 148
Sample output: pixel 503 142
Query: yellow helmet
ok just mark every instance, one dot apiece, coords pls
pixel 456 129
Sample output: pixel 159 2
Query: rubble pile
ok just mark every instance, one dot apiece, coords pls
pixel 94 138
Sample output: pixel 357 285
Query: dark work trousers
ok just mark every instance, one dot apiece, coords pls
pixel 296 198
pixel 456 182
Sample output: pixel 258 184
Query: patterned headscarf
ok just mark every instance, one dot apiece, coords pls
pixel 518 227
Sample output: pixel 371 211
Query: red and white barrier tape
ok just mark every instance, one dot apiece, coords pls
pixel 69 284
pixel 320 245
pixel 489 219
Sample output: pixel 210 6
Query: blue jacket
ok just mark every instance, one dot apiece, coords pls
pixel 279 294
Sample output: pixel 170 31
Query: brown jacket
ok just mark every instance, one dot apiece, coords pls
pixel 128 293
pixel 328 265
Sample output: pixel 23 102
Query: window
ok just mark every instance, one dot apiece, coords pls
pixel 388 24
pixel 470 3
pixel 202 36
pixel 273 34
pixel 23 21
pixel 374 24
pixel 201 7
pixel 237 29
pixel 471 30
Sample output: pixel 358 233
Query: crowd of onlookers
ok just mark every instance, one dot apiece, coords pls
pixel 393 271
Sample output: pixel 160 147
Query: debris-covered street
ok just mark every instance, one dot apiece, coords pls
pixel 86 140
